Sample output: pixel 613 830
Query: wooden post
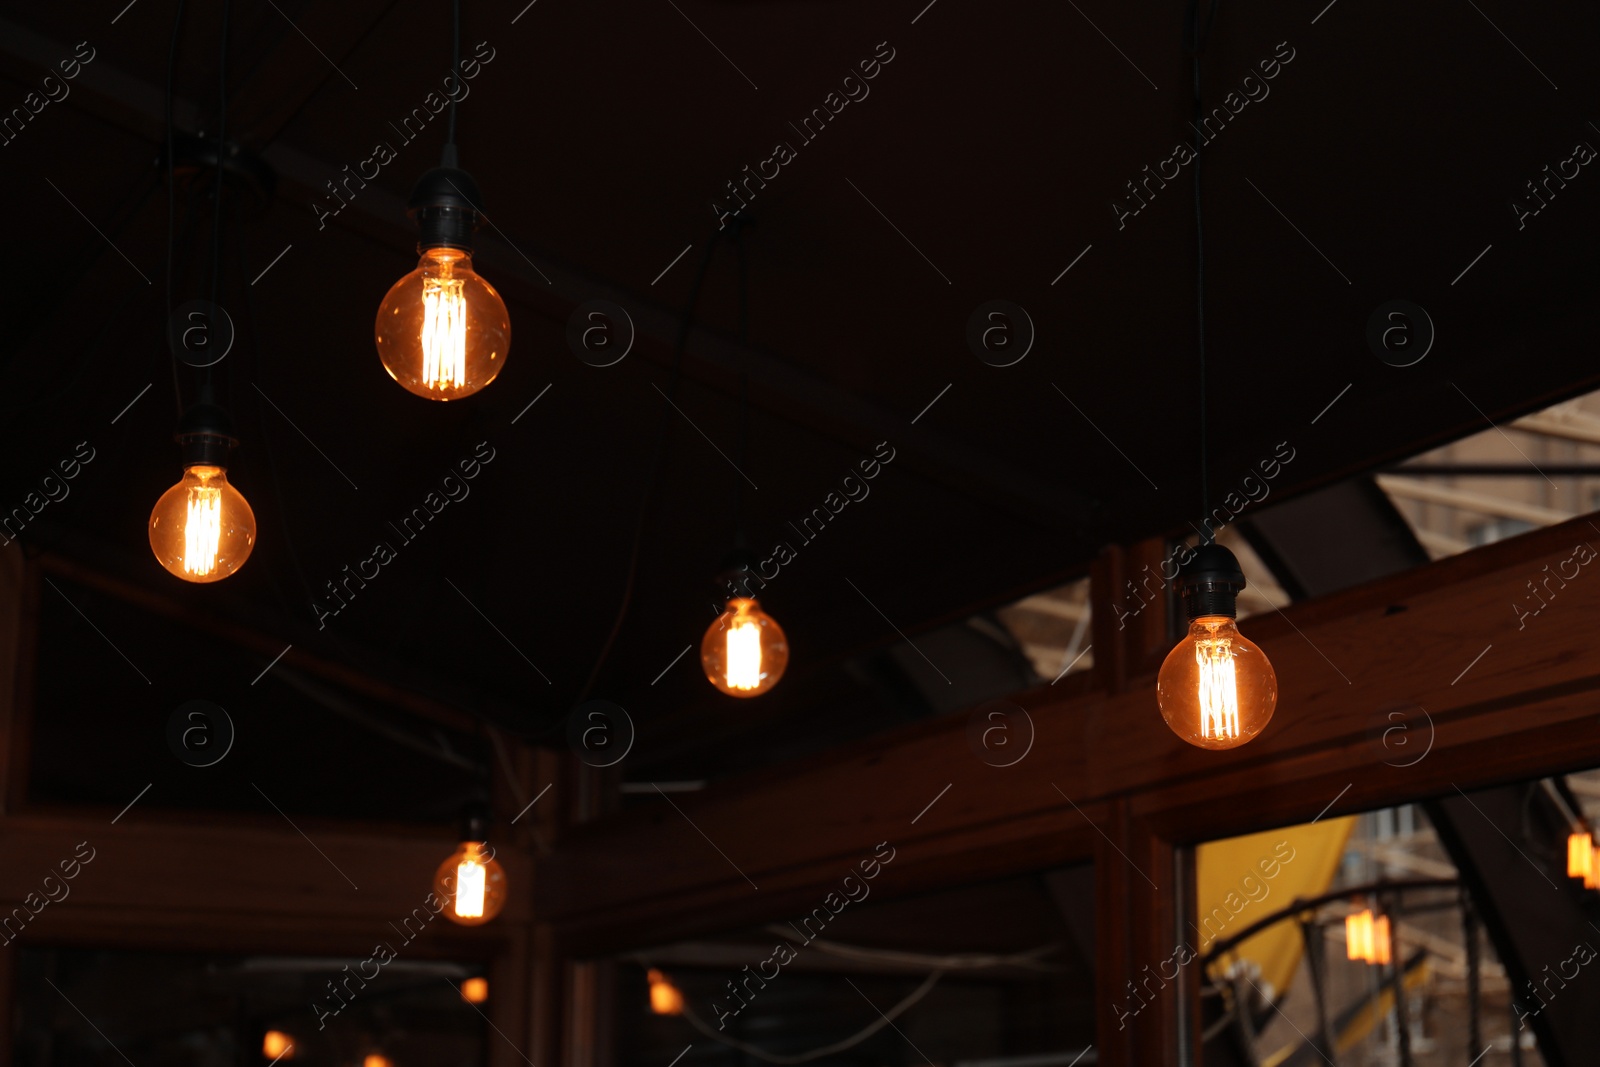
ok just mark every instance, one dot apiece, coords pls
pixel 1146 983
pixel 1129 594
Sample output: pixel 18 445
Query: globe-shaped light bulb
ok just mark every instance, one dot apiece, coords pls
pixel 471 884
pixel 1216 689
pixel 744 651
pixel 202 529
pixel 442 331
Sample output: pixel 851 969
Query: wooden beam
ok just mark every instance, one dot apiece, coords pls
pixel 411 697
pixel 1467 500
pixel 1522 708
pixel 232 886
pixel 1578 428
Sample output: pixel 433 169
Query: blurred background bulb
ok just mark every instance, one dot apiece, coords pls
pixel 277 1045
pixel 443 331
pixel 475 990
pixel 665 998
pixel 1580 855
pixel 471 884
pixel 1216 689
pixel 744 651
pixel 202 529
pixel 1367 937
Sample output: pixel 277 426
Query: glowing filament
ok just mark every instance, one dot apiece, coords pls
pixel 1580 855
pixel 469 888
pixel 444 333
pixel 1219 689
pixel 202 529
pixel 744 655
pixel 1367 938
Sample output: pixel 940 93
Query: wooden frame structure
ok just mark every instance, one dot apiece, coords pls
pixel 1493 696
pixel 1496 693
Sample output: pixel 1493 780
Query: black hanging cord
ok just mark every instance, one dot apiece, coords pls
pixel 450 155
pixel 1196 39
pixel 222 119
pixel 172 211
pixel 684 326
pixel 739 225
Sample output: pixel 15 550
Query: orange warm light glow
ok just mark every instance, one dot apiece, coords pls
pixel 744 651
pixel 665 998
pixel 472 884
pixel 1367 938
pixel 376 1059
pixel 277 1045
pixel 1216 688
pixel 475 990
pixel 1580 857
pixel 442 331
pixel 202 529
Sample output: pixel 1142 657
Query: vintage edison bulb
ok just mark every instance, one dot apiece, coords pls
pixel 1366 937
pixel 1580 855
pixel 202 529
pixel 277 1045
pixel 665 998
pixel 471 884
pixel 443 332
pixel 744 651
pixel 1216 689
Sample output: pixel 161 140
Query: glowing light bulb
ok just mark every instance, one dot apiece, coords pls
pixel 202 529
pixel 665 998
pixel 475 990
pixel 1367 938
pixel 276 1045
pixel 472 884
pixel 1216 689
pixel 1580 856
pixel 1591 877
pixel 1358 935
pixel 377 1059
pixel 744 651
pixel 442 331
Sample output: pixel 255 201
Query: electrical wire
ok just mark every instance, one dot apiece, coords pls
pixel 455 71
pixel 739 224
pixel 960 961
pixel 216 214
pixel 663 436
pixel 172 61
pixel 1197 36
pixel 884 1019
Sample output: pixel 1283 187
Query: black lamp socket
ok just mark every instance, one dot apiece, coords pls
pixel 1210 583
pixel 206 434
pixel 475 820
pixel 445 204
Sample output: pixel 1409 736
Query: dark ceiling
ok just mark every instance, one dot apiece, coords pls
pixel 1380 162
